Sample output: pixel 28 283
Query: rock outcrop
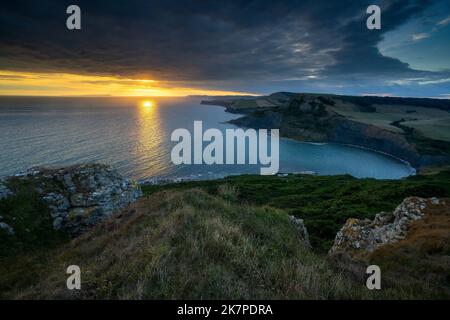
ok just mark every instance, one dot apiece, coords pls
pixel 4 191
pixel 6 228
pixel 303 233
pixel 80 196
pixel 359 237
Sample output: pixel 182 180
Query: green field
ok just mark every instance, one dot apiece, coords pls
pixel 438 129
pixel 253 103
pixel 430 122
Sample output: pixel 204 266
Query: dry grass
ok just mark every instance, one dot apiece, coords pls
pixel 420 262
pixel 188 244
pixel 185 244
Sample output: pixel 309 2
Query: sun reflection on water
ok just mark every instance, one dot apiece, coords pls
pixel 151 148
pixel 147 104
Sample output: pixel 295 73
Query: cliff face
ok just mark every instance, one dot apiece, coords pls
pixel 313 118
pixel 360 134
pixel 336 129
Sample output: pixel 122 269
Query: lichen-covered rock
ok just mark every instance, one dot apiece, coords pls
pixel 4 227
pixel 302 231
pixel 4 191
pixel 80 196
pixel 364 236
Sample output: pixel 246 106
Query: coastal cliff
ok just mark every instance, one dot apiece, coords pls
pixel 375 138
pixel 317 118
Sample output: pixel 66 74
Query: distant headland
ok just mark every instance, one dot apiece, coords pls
pixel 416 130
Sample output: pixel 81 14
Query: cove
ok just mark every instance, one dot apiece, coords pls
pixel 136 140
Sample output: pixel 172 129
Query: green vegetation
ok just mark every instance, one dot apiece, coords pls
pixel 228 238
pixel 325 202
pixel 382 120
pixel 425 123
pixel 432 123
pixel 442 104
pixel 190 243
pixel 252 103
pixel 245 103
pixel 31 220
pixel 423 144
pixel 437 128
pixel 232 238
pixel 183 244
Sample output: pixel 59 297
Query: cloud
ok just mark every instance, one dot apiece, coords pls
pixel 378 94
pixel 419 36
pixel 206 43
pixel 444 22
pixel 11 77
pixel 434 81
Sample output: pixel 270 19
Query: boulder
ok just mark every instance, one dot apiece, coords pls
pixel 358 237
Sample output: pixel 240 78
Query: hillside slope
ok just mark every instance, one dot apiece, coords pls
pixel 185 244
pixel 217 239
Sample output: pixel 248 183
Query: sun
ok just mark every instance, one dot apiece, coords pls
pixel 147 104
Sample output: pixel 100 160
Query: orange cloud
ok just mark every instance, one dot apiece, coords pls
pixel 64 84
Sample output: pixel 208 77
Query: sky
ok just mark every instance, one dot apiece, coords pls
pixel 218 47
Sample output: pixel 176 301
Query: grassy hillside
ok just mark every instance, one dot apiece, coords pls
pixel 191 244
pixel 232 238
pixel 183 244
pixel 325 202
pixel 385 115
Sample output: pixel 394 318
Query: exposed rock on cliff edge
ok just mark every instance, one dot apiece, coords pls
pixel 4 191
pixel 78 196
pixel 302 231
pixel 359 237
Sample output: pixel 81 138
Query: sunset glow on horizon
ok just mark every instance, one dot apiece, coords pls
pixel 147 104
pixel 15 83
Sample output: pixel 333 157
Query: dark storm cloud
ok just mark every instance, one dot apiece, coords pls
pixel 203 40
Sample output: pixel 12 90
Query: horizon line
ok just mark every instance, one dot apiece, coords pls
pixel 220 95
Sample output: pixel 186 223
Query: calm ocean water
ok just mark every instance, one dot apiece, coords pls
pixel 136 139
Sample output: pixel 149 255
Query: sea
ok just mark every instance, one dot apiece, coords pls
pixel 133 135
